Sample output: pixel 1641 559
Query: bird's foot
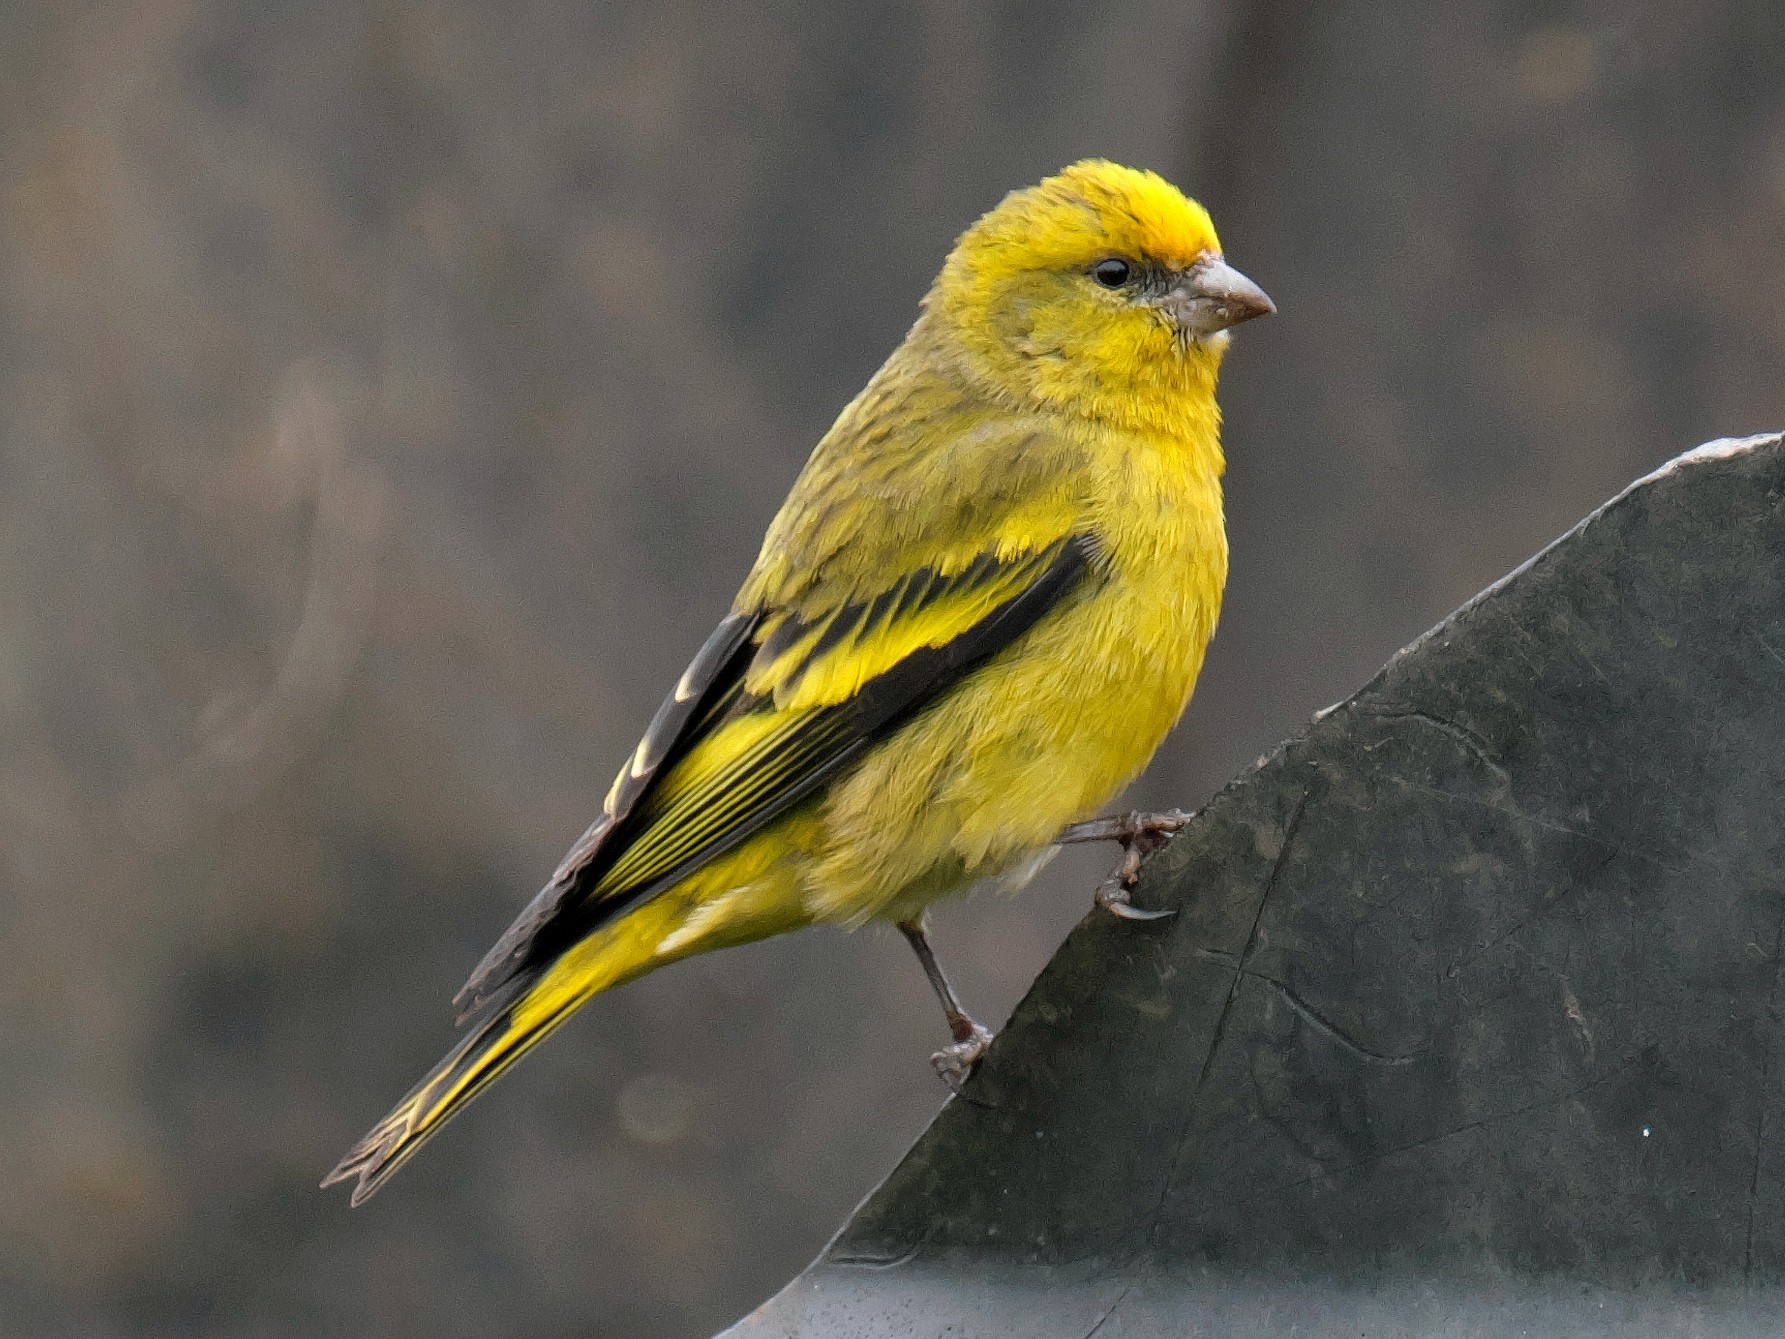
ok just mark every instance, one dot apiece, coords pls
pixel 954 1062
pixel 1127 828
pixel 1140 835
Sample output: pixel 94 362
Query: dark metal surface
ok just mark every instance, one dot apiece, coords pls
pixel 1467 1023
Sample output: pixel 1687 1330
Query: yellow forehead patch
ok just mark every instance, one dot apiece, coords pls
pixel 1096 208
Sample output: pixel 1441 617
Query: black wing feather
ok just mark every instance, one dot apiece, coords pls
pixel 802 759
pixel 711 681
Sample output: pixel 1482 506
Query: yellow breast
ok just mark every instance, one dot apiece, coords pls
pixel 971 786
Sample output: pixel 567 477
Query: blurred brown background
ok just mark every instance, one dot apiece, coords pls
pixel 392 395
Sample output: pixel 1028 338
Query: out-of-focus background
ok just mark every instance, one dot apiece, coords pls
pixel 391 396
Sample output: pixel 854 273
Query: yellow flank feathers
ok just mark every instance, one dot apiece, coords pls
pixel 981 608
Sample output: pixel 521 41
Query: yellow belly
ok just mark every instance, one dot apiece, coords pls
pixel 972 787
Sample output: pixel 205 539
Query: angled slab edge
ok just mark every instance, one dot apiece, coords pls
pixel 1468 1022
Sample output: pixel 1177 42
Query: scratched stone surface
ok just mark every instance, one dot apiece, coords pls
pixel 1467 1022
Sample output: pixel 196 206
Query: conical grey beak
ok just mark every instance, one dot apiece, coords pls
pixel 1213 295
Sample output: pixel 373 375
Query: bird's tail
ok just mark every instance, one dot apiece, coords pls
pixel 524 1013
pixel 482 1057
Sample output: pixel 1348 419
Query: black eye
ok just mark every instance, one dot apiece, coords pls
pixel 1112 273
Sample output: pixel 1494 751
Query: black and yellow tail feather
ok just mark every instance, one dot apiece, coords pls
pixel 480 1058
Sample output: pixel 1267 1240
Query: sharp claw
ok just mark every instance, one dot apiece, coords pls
pixel 1115 901
pixel 1129 912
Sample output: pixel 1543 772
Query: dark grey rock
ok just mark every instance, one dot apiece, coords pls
pixel 1468 1022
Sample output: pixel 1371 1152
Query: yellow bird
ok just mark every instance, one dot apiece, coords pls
pixel 978 613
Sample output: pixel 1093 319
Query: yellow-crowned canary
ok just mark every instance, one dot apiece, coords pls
pixel 979 611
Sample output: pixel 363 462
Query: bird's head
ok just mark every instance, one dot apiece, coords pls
pixel 1103 288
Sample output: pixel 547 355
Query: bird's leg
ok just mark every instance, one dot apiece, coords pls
pixel 1140 835
pixel 971 1040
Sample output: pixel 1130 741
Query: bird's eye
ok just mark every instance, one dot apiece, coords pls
pixel 1112 273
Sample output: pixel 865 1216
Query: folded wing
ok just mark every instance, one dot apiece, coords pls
pixel 777 702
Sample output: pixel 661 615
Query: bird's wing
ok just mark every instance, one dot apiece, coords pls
pixel 707 688
pixel 784 694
